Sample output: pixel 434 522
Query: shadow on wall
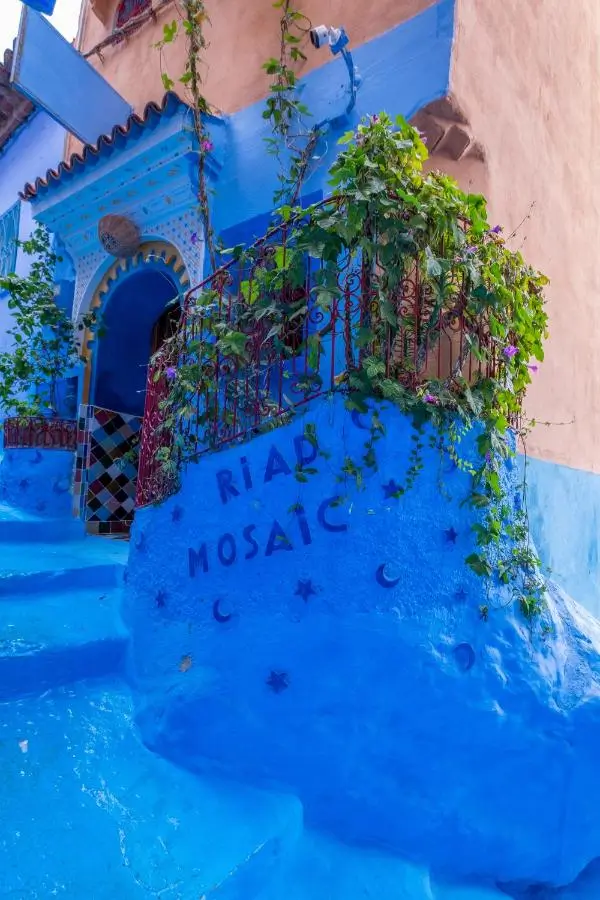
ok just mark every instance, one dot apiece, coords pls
pixel 121 356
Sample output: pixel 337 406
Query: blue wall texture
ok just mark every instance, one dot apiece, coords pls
pixel 564 516
pixel 37 481
pixel 36 147
pixel 401 71
pixel 329 641
pixel 334 648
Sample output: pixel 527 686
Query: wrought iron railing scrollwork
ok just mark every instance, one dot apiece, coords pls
pixel 234 398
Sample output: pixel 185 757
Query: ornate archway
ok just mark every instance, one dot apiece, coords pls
pixel 136 298
pixel 154 255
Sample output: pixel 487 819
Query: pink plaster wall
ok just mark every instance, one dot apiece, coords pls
pixel 527 75
pixel 242 36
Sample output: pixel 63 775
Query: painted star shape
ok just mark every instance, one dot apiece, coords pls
pixel 305 589
pixel 161 599
pixel 461 595
pixel 390 490
pixel 24 483
pixel 278 681
pixel 176 514
pixel 451 535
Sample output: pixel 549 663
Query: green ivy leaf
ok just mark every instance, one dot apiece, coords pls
pixel 169 32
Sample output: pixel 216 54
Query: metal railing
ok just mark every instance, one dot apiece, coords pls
pixel 321 331
pixel 23 432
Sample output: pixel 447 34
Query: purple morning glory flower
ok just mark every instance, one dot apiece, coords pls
pixel 471 250
pixel 429 398
pixel 496 229
pixel 206 146
pixel 488 458
pixel 510 351
pixel 171 373
pixel 375 119
pixel 533 368
pixel 194 237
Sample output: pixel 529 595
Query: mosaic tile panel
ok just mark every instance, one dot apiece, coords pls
pixel 104 481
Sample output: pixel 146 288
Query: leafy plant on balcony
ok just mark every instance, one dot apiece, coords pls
pixel 42 339
pixel 436 313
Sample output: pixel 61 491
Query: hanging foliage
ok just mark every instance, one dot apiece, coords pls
pixel 416 242
pixel 42 340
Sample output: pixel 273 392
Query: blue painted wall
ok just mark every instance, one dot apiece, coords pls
pixel 270 645
pixel 36 147
pixel 401 71
pixel 564 516
pixel 37 481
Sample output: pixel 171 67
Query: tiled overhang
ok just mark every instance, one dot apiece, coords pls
pixel 106 144
pixel 145 169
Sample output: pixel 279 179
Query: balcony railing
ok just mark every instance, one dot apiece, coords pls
pixel 302 351
pixel 23 432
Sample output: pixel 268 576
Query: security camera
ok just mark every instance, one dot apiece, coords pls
pixel 319 36
pixel 324 35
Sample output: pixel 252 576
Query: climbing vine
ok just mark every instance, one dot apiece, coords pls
pixel 436 282
pixel 43 341
pixel 434 277
pixel 290 142
pixel 192 25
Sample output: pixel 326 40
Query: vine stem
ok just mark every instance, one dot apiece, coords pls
pixel 194 10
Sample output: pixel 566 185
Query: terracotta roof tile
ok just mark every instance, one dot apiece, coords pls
pixel 104 143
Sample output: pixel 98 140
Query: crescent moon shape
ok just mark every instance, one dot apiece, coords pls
pixel 355 415
pixel 382 579
pixel 464 656
pixel 219 616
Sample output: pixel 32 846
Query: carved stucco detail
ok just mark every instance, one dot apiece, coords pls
pixel 183 231
pixel 86 267
pixel 446 130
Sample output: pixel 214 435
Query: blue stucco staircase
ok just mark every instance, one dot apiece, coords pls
pixel 59 606
pixel 86 810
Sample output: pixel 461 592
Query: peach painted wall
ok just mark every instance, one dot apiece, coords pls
pixel 243 34
pixel 527 75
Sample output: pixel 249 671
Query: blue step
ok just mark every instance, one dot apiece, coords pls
pixel 319 868
pixel 55 638
pixel 53 581
pixel 22 557
pixel 87 811
pixel 36 530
